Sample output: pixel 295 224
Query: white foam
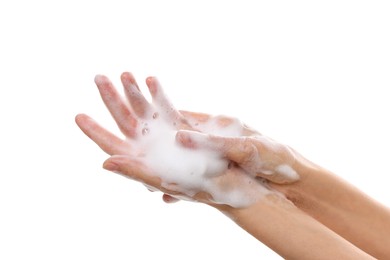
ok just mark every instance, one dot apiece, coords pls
pixel 287 171
pixel 191 171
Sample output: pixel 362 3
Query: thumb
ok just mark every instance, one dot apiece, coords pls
pixel 131 168
pixel 236 149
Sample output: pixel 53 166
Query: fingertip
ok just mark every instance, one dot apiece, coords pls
pixel 128 77
pixel 183 137
pixel 149 80
pixel 152 84
pixel 115 163
pixel 169 199
pixel 125 74
pixel 109 165
pixel 194 139
pixel 100 79
pixel 81 119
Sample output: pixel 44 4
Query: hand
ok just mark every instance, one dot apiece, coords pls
pixel 256 154
pixel 135 119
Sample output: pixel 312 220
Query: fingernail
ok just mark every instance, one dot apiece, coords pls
pixel 183 138
pixel 180 136
pixel 110 166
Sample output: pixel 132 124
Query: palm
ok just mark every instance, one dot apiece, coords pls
pixel 134 117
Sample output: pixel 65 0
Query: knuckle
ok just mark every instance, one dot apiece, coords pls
pixel 249 151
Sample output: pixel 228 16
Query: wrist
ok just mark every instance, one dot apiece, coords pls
pixel 310 189
pixel 339 206
pixel 261 211
pixel 280 225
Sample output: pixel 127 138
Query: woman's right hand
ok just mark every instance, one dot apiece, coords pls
pixel 255 153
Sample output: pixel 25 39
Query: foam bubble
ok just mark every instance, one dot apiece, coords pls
pixel 287 171
pixel 190 171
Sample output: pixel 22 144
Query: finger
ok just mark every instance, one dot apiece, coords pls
pixel 202 122
pixel 138 102
pixel 117 106
pixel 236 149
pixel 222 121
pixel 246 152
pixel 195 116
pixel 132 169
pixel 169 199
pixel 195 120
pixel 161 101
pixel 107 141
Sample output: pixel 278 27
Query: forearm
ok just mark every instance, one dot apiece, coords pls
pixel 291 233
pixel 341 207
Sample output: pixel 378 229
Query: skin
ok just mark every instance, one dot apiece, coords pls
pixel 318 192
pixel 341 207
pixel 289 230
pixel 293 234
pixel 129 116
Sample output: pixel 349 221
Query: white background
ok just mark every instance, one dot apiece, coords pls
pixel 312 74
